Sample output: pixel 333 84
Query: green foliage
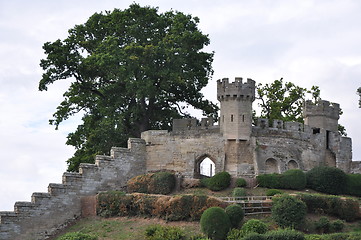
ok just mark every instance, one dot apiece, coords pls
pixel 239 192
pixel 326 179
pixel 241 182
pixel 323 225
pixel 153 183
pixel 77 236
pixel 171 208
pixel 272 180
pixel 359 93
pixel 254 226
pixel 129 71
pixel 235 213
pixel 288 211
pixel 235 234
pixel 272 192
pixel 337 225
pixel 354 184
pixel 344 208
pixel 215 223
pixel 158 232
pixel 162 183
pixel 283 101
pixel 291 179
pixel 284 234
pixel 254 236
pixel 218 182
pixel 294 179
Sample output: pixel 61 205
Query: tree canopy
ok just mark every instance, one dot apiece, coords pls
pixel 359 93
pixel 130 70
pixel 283 101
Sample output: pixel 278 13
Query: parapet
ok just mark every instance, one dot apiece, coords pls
pixel 263 123
pixel 236 89
pixel 322 108
pixel 186 124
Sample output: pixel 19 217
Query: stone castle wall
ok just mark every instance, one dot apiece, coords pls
pixel 53 210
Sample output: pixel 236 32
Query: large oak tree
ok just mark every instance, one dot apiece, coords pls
pixel 130 70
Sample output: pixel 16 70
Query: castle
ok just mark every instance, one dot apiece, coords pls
pixel 235 146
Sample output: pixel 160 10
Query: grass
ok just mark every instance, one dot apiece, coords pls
pixel 124 228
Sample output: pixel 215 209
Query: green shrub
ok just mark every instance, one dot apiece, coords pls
pixel 235 234
pixel 325 179
pixel 284 234
pixel 314 237
pixel 218 182
pixel 337 225
pixel 293 179
pixel 323 225
pixel 344 208
pixel 254 236
pixel 255 226
pixel 235 213
pixel 241 182
pixel 158 232
pixel 153 183
pixel 272 180
pixel 354 184
pixel 239 192
pixel 288 211
pixel 272 192
pixel 215 223
pixel 77 236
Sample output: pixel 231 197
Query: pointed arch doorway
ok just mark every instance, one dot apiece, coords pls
pixel 205 166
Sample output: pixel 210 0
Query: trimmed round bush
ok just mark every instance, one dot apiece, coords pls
pixel 254 226
pixel 215 223
pixel 235 213
pixel 239 192
pixel 77 236
pixel 241 182
pixel 325 179
pixel 288 211
pixel 219 181
pixel 272 192
pixel 294 179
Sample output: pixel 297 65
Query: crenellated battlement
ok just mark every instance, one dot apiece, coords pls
pixel 322 108
pixel 236 89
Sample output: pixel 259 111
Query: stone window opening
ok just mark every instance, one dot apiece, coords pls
pixel 271 166
pixel 231 117
pixel 292 164
pixel 204 167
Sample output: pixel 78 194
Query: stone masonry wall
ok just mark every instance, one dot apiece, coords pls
pixel 53 210
pixel 183 151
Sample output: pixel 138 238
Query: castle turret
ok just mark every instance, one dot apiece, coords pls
pixel 323 114
pixel 236 108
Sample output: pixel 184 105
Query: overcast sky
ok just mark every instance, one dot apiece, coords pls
pixel 307 42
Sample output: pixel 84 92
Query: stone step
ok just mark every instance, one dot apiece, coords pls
pixel 70 178
pixel 7 217
pixel 86 169
pixel 24 208
pixel 55 189
pixel 40 197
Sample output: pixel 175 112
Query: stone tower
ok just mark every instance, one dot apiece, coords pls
pixel 236 108
pixel 323 114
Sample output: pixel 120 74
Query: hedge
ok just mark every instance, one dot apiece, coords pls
pixel 171 208
pixel 153 183
pixel 291 179
pixel 288 211
pixel 341 207
pixel 326 179
pixel 354 184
